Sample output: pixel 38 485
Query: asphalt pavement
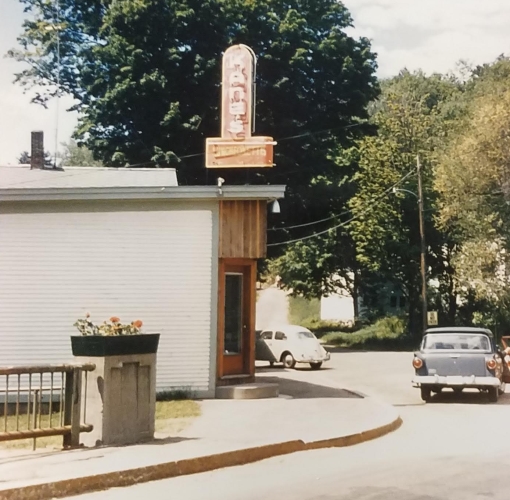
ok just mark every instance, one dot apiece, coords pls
pixel 454 448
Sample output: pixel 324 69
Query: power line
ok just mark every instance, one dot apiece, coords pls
pixel 347 221
pixel 308 223
pixel 304 134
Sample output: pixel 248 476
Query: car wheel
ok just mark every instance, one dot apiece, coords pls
pixel 425 393
pixel 315 366
pixel 438 390
pixel 501 388
pixel 493 394
pixel 458 390
pixel 288 360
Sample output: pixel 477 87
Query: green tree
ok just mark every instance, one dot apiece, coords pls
pixel 413 116
pixel 473 181
pixel 74 155
pixel 24 158
pixel 146 78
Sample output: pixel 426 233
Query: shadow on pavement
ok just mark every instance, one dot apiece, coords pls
pixel 344 350
pixel 304 390
pixel 467 397
pixel 278 368
pixel 168 440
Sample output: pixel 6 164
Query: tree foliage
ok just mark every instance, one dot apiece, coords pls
pixel 412 116
pixel 74 155
pixel 145 75
pixel 473 181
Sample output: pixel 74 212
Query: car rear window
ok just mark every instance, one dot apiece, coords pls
pixel 457 342
pixel 305 335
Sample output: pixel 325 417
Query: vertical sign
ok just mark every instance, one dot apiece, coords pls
pixel 237 93
pixel 237 148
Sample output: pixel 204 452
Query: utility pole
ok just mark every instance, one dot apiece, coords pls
pixel 423 248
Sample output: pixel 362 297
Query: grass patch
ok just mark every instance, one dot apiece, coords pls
pixel 307 312
pixel 174 416
pixel 177 409
pixel 303 310
pixel 386 334
pixel 21 424
pixel 170 417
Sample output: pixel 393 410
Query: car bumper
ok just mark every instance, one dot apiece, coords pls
pixel 314 359
pixel 452 381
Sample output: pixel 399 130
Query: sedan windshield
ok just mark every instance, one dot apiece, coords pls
pixel 305 335
pixel 457 341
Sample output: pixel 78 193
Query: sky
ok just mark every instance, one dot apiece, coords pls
pixel 429 34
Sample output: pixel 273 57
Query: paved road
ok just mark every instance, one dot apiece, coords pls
pixel 454 448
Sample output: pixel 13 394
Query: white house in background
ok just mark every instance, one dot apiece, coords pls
pixel 132 243
pixel 338 307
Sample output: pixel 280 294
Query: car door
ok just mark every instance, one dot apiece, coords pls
pixel 280 344
pixel 264 351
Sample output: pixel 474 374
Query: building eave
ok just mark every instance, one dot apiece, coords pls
pixel 271 192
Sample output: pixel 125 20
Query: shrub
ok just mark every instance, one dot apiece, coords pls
pixel 303 310
pixel 388 333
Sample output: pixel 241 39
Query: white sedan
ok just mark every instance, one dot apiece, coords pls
pixel 290 344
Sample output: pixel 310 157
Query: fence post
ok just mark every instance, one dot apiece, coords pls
pixel 72 407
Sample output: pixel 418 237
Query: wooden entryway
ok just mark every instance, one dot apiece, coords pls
pixel 236 317
pixel 242 240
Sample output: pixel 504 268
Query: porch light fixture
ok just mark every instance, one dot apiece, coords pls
pixel 275 207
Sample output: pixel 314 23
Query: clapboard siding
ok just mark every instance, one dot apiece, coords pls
pixel 155 266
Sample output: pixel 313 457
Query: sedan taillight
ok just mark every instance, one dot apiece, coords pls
pixel 417 363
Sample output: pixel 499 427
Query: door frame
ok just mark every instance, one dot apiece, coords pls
pixel 249 270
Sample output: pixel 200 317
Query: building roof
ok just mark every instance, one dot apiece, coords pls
pixel 20 183
pixel 22 177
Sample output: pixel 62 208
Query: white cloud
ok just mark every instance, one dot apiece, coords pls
pixel 432 34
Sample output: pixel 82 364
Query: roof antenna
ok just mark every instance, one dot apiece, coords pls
pixel 57 31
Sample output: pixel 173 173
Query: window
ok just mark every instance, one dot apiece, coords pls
pixel 280 336
pixel 267 335
pixel 305 335
pixel 457 342
pixel 402 302
pixel 393 301
pixel 233 313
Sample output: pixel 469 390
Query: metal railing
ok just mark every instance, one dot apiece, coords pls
pixel 42 401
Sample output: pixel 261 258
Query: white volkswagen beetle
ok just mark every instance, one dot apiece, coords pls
pixel 290 344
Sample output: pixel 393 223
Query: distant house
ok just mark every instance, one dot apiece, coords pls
pixel 339 306
pixel 135 244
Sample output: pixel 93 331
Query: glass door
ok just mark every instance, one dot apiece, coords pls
pixel 233 335
pixel 235 331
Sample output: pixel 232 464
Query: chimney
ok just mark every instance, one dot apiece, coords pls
pixel 37 151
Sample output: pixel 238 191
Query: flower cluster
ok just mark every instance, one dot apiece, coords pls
pixel 111 327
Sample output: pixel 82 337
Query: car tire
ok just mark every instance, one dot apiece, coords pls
pixel 493 394
pixel 425 393
pixel 458 390
pixel 316 366
pixel 288 360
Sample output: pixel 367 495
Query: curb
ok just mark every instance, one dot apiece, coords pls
pixel 99 482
